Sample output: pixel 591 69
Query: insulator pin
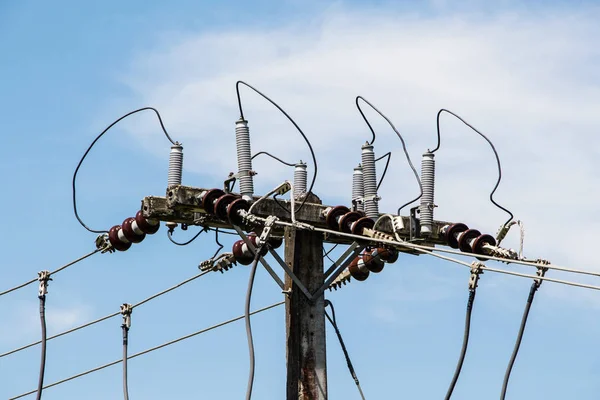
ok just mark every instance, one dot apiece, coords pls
pixel 175 165
pixel 244 158
pixel 300 180
pixel 427 183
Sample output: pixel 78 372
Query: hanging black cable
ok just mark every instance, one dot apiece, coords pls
pixel 513 357
pixel 401 140
pixel 387 164
pixel 247 320
pixel 273 157
pixel 463 351
pixel 333 323
pixel 170 236
pixel 218 243
pixel 43 277
pixel 92 145
pixel 310 148
pixel 493 149
pixel 126 312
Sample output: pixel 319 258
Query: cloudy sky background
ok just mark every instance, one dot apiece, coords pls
pixel 525 76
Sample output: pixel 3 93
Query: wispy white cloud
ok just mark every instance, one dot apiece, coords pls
pixel 528 80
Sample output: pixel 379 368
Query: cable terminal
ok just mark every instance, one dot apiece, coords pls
pixel 43 278
pixel 541 271
pixel 476 271
pixel 103 244
pixel 126 310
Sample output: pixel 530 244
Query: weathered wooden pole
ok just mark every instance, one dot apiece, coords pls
pixel 305 319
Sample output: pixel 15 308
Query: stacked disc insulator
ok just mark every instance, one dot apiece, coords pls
pixel 132 230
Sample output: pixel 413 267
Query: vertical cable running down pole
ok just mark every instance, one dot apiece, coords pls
pixel 427 183
pixel 300 179
pixel 358 189
pixel 43 278
pixel 175 165
pixel 126 310
pixel 244 158
pixel 370 181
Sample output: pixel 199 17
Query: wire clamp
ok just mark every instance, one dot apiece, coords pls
pixel 476 271
pixel 103 244
pixel 541 271
pixel 43 278
pixel 266 232
pixel 126 310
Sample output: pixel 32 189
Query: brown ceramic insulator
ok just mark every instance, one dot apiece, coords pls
pixel 241 256
pixel 362 223
pixel 452 232
pixel 148 226
pixel 254 240
pixel 373 260
pixel 233 210
pixel 477 245
pixel 275 242
pixel 130 233
pixel 334 215
pixel 345 222
pixel 358 273
pixel 465 238
pixel 209 198
pixel 390 256
pixel 221 205
pixel 113 237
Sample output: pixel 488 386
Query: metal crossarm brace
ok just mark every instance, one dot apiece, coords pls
pixel 291 274
pixel 353 251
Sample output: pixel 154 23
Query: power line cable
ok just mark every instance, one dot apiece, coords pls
pixel 333 323
pixel 248 324
pixel 513 357
pixel 42 296
pixel 92 145
pixel 387 164
pixel 56 271
pixel 465 344
pixel 272 156
pixel 401 139
pixel 150 350
pixel 170 236
pixel 493 149
pixel 109 316
pixel 310 148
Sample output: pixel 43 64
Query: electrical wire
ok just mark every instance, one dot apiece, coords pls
pixel 493 149
pixel 170 236
pixel 218 243
pixel 465 344
pixel 110 364
pixel 96 321
pixel 56 271
pixel 248 324
pixel 401 139
pixel 272 156
pixel 387 164
pixel 92 145
pixel 310 148
pixel 326 253
pixel 333 323
pixel 125 340
pixel 43 351
pixel 513 357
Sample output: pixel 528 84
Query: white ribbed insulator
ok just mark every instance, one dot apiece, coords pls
pixel 300 179
pixel 358 188
pixel 370 181
pixel 427 182
pixel 175 165
pixel 244 157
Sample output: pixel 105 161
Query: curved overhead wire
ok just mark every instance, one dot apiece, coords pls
pixel 170 236
pixel 493 149
pixel 273 157
pixel 310 148
pixel 92 145
pixel 387 164
pixel 403 146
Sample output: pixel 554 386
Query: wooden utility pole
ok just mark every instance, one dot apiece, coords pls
pixel 305 319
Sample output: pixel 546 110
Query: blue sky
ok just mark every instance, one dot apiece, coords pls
pixel 527 76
